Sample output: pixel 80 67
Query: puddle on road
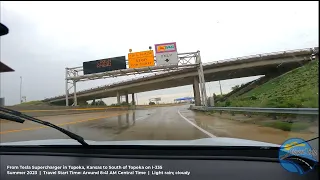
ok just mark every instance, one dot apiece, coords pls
pixel 104 129
pixel 223 127
pixel 115 125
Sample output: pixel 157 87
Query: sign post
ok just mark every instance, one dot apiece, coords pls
pixel 166 54
pixel 67 90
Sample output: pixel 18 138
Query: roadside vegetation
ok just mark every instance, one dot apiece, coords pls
pixel 297 126
pixel 34 103
pixel 298 88
pixel 295 89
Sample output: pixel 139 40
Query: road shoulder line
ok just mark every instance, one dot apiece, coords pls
pixel 202 130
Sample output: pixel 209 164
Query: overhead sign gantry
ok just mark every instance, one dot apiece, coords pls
pixel 166 59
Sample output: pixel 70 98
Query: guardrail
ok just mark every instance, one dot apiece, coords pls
pixel 302 111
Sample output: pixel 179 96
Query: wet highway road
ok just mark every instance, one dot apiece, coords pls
pixel 159 123
pixel 156 123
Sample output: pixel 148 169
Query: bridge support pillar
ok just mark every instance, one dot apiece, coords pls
pixel 133 100
pixel 75 103
pixel 196 91
pixel 118 98
pixel 127 97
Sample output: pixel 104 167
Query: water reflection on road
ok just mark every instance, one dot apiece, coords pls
pixel 158 123
pixel 222 126
pixel 108 128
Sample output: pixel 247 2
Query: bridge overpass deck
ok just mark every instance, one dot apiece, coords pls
pixel 272 63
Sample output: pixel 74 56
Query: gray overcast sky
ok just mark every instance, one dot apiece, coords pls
pixel 46 37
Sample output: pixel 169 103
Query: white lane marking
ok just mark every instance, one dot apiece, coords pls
pixel 140 118
pixel 144 117
pixel 202 130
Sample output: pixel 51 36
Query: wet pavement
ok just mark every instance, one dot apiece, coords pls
pixel 222 126
pixel 159 123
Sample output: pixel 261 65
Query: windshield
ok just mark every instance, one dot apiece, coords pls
pixel 112 71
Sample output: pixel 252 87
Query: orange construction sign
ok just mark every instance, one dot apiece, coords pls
pixel 141 59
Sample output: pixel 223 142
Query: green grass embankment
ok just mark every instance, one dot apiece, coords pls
pixel 296 89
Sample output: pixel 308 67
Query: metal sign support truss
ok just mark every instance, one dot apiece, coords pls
pixel 186 60
pixel 202 81
pixel 73 83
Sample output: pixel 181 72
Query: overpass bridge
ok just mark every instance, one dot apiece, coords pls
pixel 269 64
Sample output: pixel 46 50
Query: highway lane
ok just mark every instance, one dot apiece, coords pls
pixel 163 123
pixel 157 123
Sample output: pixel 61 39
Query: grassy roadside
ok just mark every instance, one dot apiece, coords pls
pixel 296 89
pixel 33 103
pixel 292 124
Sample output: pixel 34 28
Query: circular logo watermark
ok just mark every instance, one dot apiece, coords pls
pixel 297 156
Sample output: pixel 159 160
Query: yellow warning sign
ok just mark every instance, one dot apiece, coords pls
pixel 141 59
